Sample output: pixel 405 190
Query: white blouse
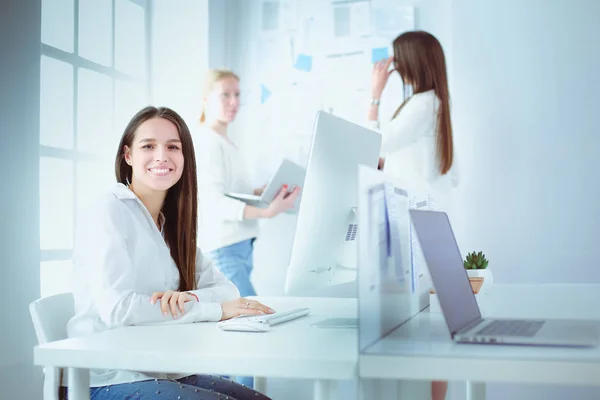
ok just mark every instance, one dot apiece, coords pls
pixel 221 170
pixel 410 149
pixel 120 258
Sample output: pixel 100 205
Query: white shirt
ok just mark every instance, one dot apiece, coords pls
pixel 221 170
pixel 410 149
pixel 120 258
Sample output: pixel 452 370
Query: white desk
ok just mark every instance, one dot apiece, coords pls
pixel 291 350
pixel 421 349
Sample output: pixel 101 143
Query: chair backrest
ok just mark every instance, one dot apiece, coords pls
pixel 50 316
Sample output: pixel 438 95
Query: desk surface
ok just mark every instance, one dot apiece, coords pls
pixel 422 349
pixel 291 350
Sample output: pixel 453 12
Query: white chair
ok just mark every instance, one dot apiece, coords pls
pixel 50 316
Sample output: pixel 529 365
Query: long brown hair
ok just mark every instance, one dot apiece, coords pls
pixel 181 204
pixel 213 76
pixel 419 59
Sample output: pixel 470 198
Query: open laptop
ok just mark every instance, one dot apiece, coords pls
pixel 459 305
pixel 288 173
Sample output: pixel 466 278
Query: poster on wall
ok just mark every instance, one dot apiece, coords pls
pixel 288 17
pixel 390 19
pixel 360 18
pixel 311 56
pixel 278 15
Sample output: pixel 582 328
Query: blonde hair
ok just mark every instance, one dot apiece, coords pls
pixel 213 76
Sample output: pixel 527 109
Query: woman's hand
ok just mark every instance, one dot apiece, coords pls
pixel 171 301
pixel 381 163
pixel 379 76
pixel 260 190
pixel 283 202
pixel 242 306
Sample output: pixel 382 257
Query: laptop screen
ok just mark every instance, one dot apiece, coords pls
pixel 446 268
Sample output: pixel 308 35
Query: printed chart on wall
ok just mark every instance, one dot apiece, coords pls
pixel 318 56
pixel 389 236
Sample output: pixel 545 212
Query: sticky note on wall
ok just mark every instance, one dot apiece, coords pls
pixel 265 93
pixel 303 62
pixel 378 54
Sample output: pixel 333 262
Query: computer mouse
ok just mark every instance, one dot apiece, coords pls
pixel 243 325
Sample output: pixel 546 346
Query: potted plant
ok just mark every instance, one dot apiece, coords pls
pixel 476 265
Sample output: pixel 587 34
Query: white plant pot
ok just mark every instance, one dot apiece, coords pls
pixel 486 274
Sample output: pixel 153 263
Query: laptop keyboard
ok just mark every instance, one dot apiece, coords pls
pixel 511 328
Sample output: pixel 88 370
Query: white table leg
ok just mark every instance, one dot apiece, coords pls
pixel 260 384
pixel 475 390
pixel 324 389
pixel 414 390
pixel 79 384
pixel 367 389
pixel 370 389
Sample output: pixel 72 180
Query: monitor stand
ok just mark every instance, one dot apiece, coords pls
pixel 344 290
pixel 346 264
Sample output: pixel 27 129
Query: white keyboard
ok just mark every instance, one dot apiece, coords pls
pixel 279 317
pixel 261 323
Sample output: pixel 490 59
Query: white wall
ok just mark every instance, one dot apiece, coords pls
pixel 266 140
pixel 522 76
pixel 19 204
pixel 525 81
pixel 179 55
pixel 524 84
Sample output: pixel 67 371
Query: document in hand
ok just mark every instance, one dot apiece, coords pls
pixel 288 173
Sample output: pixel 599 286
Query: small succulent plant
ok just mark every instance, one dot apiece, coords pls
pixel 475 261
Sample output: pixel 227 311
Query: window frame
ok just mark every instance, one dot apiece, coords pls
pixel 77 62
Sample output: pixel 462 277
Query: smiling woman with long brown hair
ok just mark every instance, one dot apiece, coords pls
pixel 136 262
pixel 418 141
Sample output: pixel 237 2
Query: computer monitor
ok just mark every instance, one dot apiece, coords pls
pixel 323 257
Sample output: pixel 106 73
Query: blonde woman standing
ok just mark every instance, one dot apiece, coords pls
pixel 228 227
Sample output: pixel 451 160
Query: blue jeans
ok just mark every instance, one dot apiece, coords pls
pixel 194 387
pixel 235 262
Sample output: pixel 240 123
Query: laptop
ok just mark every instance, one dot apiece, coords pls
pixel 288 173
pixel 459 305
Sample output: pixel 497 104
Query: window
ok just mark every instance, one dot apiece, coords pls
pixel 94 77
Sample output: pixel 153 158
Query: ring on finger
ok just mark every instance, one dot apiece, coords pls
pixel 247 304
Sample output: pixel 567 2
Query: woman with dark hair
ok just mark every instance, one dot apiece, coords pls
pixel 136 261
pixel 417 143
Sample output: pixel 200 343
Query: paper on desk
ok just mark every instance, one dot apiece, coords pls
pixel 398 245
pixel 377 235
pixel 421 201
pixel 389 236
pixel 394 251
